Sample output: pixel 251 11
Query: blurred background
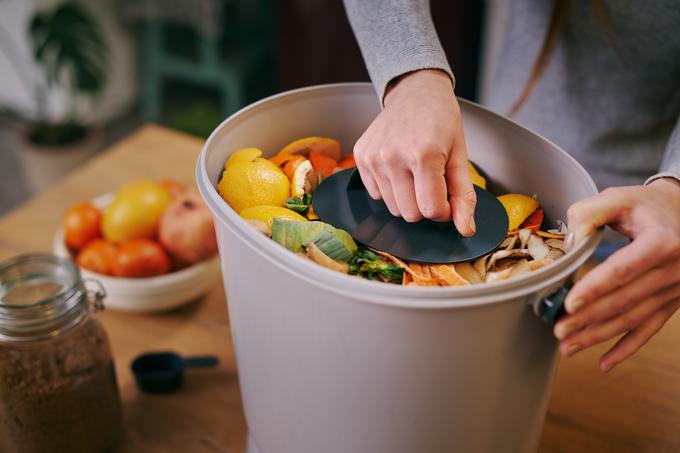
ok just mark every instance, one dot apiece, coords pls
pixel 75 76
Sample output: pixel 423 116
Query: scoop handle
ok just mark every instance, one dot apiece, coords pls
pixel 200 361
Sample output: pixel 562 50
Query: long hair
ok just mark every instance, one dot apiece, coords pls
pixel 558 17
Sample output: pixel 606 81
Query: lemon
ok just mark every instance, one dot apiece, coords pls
pixel 135 211
pixel 267 214
pixel 243 155
pixel 245 184
pixel 304 179
pixel 518 207
pixel 476 178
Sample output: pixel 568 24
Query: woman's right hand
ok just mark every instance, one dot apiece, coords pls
pixel 413 155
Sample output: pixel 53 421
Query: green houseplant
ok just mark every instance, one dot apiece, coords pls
pixel 73 57
pixel 71 50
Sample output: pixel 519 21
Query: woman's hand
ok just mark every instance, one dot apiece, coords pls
pixel 637 289
pixel 413 155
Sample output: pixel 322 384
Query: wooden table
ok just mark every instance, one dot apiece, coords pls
pixel 635 408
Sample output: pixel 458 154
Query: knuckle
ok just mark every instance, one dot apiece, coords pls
pixel 411 215
pixel 673 244
pixel 621 271
pixel 433 211
pixel 390 156
pixel 628 322
pixel 373 160
pixel 360 155
pixel 574 211
pixel 469 196
pixel 611 191
pixel 430 152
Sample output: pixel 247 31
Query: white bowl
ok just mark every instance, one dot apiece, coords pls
pixel 151 294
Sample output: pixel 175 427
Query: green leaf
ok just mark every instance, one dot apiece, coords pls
pixel 300 205
pixel 369 265
pixel 330 244
pixel 294 235
pixel 68 43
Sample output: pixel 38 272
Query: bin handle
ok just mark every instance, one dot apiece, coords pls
pixel 551 308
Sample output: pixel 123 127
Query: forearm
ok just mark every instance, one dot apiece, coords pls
pixel 670 166
pixel 395 37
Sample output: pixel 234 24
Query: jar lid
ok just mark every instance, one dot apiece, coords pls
pixel 41 295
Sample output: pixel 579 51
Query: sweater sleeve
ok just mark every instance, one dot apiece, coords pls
pixel 670 165
pixel 395 37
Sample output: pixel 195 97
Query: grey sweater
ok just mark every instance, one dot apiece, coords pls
pixel 615 112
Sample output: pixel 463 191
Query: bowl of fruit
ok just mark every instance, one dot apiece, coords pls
pixel 151 244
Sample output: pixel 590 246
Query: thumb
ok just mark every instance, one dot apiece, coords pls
pixel 462 196
pixel 585 216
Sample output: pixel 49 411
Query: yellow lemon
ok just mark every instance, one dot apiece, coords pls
pixel 518 207
pixel 476 178
pixel 245 184
pixel 304 179
pixel 243 155
pixel 267 214
pixel 135 211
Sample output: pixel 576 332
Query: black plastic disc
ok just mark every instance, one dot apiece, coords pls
pixel 342 201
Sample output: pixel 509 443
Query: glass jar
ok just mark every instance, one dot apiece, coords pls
pixel 58 388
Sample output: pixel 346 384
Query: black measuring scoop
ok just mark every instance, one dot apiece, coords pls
pixel 162 372
pixel 342 201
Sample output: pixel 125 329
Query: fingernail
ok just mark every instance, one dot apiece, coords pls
pixel 573 349
pixel 569 240
pixel 581 232
pixel 573 305
pixel 473 226
pixel 562 331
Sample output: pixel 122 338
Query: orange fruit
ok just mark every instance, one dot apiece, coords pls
pixel 323 164
pixel 141 258
pixel 304 179
pixel 347 161
pixel 81 224
pixel 98 256
pixel 292 164
pixel 281 159
pixel 322 145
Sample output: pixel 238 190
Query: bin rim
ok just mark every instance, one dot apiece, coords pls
pixel 536 282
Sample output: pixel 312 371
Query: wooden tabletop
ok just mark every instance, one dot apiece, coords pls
pixel 635 408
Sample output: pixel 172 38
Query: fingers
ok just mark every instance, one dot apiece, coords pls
pixel 587 215
pixel 463 198
pixel 431 191
pixel 630 343
pixel 404 193
pixel 369 182
pixel 385 187
pixel 644 253
pixel 386 174
pixel 626 321
pixel 619 300
pixel 362 156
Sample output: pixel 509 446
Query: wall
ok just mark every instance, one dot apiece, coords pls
pixel 120 92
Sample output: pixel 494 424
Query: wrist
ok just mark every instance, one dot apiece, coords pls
pixel 432 79
pixel 667 185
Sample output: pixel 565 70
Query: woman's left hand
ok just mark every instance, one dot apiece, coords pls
pixel 637 289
